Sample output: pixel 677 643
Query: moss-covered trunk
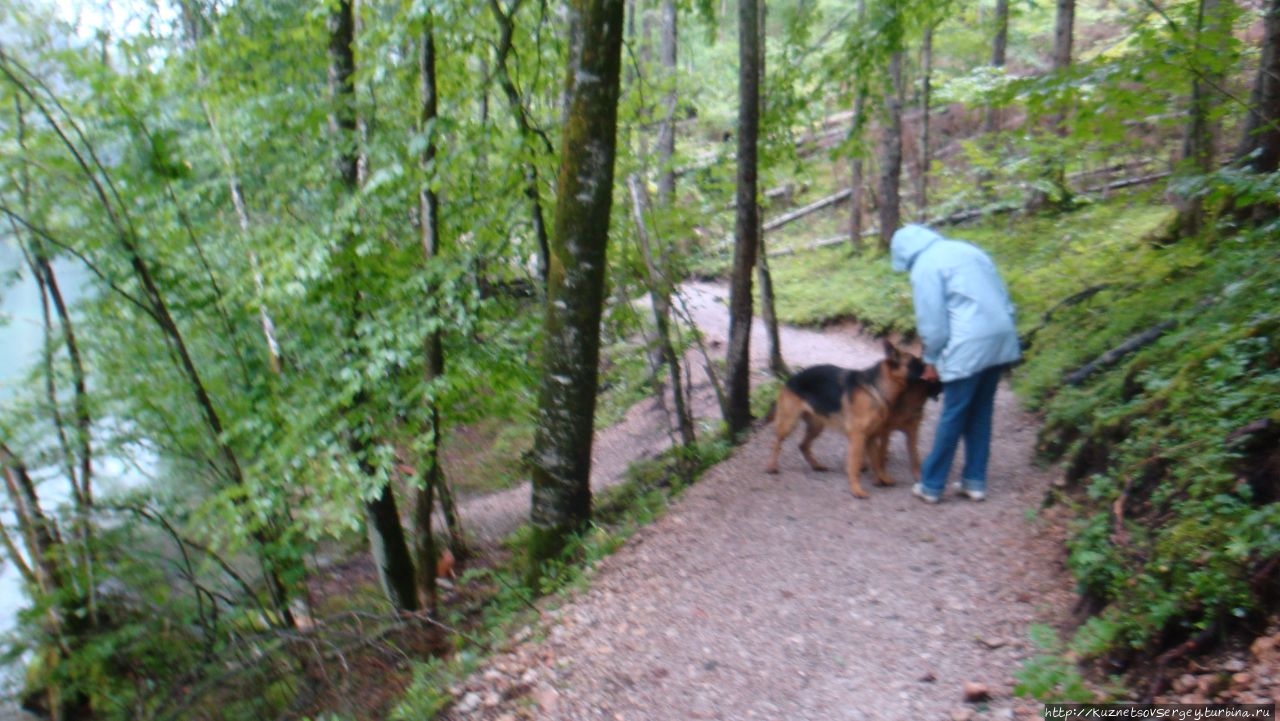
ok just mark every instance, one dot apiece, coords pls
pixel 561 460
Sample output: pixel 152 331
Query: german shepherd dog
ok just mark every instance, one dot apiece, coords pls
pixel 855 402
pixel 905 416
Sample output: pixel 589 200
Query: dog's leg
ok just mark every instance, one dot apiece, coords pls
pixel 787 412
pixel 879 453
pixel 813 428
pixel 913 450
pixel 853 464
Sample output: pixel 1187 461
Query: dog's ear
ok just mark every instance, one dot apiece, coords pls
pixel 891 352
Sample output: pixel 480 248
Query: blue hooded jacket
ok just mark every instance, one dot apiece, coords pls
pixel 963 313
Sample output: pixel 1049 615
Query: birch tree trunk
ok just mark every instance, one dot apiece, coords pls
pixel 561 456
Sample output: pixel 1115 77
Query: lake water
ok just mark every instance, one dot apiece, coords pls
pixel 21 337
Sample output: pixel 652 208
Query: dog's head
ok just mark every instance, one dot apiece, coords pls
pixel 896 362
pixel 915 369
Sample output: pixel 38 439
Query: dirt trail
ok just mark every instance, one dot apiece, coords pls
pixel 783 597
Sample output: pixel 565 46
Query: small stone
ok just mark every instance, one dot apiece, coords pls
pixel 1184 683
pixel 975 692
pixel 1210 684
pixel 1192 699
pixel 928 677
pixel 469 703
pixel 547 698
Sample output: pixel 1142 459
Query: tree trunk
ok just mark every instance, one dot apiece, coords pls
pixel 768 315
pixel 891 154
pixel 45 570
pixel 529 135
pixel 1054 168
pixel 561 456
pixel 1000 40
pixel 78 451
pixel 1259 149
pixel 777 366
pixel 926 160
pixel 388 545
pixel 746 220
pixel 431 475
pixel 667 128
pixel 1198 143
pixel 386 534
pixel 660 293
pixel 1064 34
pixel 999 47
pixel 856 170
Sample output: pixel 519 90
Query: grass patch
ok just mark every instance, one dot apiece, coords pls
pixel 825 285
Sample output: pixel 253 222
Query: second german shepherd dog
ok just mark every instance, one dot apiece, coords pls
pixel 906 415
pixel 865 405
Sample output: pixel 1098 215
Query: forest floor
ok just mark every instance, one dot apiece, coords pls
pixel 782 596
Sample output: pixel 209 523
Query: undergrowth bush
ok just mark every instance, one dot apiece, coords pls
pixel 1176 527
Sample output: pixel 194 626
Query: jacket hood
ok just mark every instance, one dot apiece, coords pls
pixel 908 242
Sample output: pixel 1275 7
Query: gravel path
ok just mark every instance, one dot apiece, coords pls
pixel 783 597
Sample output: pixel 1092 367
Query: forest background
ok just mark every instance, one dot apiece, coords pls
pixel 301 271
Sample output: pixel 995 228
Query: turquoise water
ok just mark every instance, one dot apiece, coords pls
pixel 20 308
pixel 21 336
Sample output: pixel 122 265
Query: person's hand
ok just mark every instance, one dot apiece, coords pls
pixel 930 373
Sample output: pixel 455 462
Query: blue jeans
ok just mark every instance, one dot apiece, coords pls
pixel 967 406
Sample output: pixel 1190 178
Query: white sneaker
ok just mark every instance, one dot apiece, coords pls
pixel 973 495
pixel 918 491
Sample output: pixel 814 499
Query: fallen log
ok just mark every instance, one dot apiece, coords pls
pixel 813 207
pixel 1074 299
pixel 1113 356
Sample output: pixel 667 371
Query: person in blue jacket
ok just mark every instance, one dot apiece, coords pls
pixel 965 321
